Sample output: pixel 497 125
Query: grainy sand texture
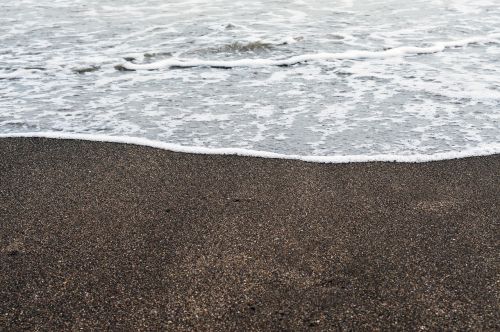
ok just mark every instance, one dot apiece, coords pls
pixel 114 236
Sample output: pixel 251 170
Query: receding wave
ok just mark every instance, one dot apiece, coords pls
pixel 348 55
pixel 482 150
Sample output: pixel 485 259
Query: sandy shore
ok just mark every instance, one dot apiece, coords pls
pixel 102 235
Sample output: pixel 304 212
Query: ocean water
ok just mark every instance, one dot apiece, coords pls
pixel 294 78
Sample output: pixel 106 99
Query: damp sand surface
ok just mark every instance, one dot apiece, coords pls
pixel 115 236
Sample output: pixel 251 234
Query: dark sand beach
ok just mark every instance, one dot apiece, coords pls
pixel 114 236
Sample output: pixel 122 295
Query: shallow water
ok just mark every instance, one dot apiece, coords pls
pixel 218 73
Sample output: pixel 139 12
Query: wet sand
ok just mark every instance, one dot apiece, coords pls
pixel 114 236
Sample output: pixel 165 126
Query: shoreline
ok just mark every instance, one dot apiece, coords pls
pixel 481 151
pixel 119 236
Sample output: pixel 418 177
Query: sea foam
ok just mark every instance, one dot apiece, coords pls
pixel 348 55
pixel 374 79
pixel 482 150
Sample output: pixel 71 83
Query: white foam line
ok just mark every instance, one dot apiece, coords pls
pixel 484 150
pixel 20 73
pixel 349 55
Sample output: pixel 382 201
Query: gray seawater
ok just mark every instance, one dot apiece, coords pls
pixel 62 61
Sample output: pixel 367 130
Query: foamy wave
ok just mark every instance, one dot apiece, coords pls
pixel 349 55
pixel 483 150
pixel 20 73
